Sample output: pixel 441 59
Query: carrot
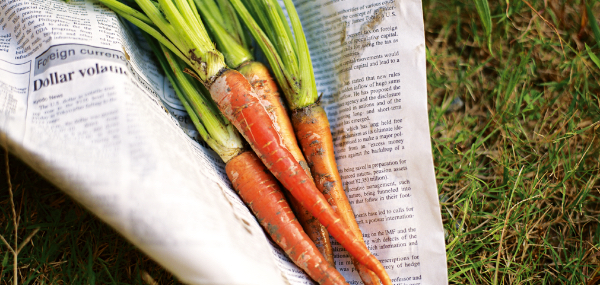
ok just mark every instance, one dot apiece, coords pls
pixel 249 177
pixel 266 88
pixel 227 33
pixel 292 67
pixel 181 30
pixel 260 191
pixel 242 107
pixel 314 135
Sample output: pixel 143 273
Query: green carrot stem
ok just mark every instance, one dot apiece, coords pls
pixel 144 23
pixel 282 29
pixel 181 24
pixel 214 129
pixel 289 57
pixel 277 27
pixel 309 87
pixel 232 24
pixel 234 52
pixel 123 9
pixel 284 77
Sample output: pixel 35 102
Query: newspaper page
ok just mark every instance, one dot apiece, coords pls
pixel 82 102
pixel 79 102
pixel 369 63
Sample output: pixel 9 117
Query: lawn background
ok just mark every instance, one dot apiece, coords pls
pixel 514 110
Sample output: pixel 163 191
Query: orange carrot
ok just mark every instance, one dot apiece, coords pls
pixel 236 99
pixel 177 26
pixel 260 78
pixel 260 191
pixel 313 228
pixel 256 186
pixel 289 57
pixel 314 135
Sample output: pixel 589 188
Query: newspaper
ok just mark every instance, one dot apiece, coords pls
pixel 83 103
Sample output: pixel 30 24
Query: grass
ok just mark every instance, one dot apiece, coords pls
pixel 515 140
pixel 514 112
pixel 71 246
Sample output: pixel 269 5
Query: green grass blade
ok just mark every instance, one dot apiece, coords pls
pixel 592 21
pixel 483 9
pixel 593 56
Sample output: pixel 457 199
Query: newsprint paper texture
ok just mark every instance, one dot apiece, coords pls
pixel 84 104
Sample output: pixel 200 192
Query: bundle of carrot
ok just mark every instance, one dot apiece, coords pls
pixel 223 23
pixel 254 183
pixel 177 25
pixel 290 59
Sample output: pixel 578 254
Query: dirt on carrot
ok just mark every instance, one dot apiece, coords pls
pixel 266 88
pixel 314 135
